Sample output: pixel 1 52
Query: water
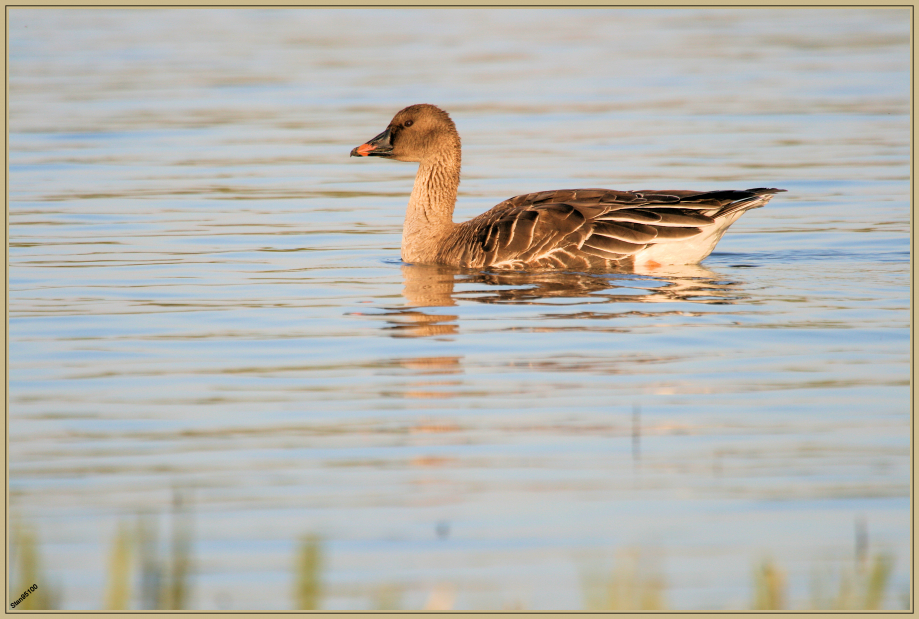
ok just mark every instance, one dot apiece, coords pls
pixel 206 301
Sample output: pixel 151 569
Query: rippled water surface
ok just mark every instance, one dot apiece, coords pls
pixel 211 331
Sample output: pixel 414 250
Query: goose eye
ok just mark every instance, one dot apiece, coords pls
pixel 408 123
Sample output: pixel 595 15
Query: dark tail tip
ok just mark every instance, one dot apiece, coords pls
pixel 762 191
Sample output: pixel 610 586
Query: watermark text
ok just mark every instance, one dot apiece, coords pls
pixel 24 595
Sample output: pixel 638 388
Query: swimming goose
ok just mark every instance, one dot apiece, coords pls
pixel 565 228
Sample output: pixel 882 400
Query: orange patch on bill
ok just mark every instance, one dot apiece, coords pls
pixel 364 149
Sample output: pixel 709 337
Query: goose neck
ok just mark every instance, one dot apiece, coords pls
pixel 429 217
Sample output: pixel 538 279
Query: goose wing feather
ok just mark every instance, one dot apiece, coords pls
pixel 676 217
pixel 605 223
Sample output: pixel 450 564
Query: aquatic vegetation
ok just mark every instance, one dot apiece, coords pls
pixel 862 586
pixel 141 575
pixel 120 570
pixel 308 574
pixel 27 574
pixel 635 583
pixel 769 585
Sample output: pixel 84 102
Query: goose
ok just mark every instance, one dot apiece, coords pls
pixel 556 229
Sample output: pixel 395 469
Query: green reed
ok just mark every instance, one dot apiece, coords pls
pixel 769 586
pixel 144 574
pixel 27 569
pixel 120 570
pixel 308 574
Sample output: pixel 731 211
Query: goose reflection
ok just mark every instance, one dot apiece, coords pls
pixel 425 286
pixel 433 286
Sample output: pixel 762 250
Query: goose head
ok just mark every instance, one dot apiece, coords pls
pixel 418 133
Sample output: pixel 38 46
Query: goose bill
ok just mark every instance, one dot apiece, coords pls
pixel 379 146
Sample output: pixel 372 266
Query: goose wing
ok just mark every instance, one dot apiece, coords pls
pixel 603 223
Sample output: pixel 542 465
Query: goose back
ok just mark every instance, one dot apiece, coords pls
pixel 598 228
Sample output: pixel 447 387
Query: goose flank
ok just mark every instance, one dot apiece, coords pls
pixel 563 228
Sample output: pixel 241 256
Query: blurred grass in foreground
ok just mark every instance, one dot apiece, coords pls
pixel 636 582
pixel 308 574
pixel 140 575
pixel 768 586
pixel 860 587
pixel 27 570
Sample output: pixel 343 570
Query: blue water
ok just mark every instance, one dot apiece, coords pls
pixel 206 300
